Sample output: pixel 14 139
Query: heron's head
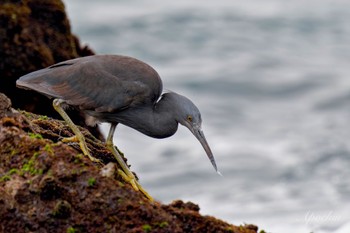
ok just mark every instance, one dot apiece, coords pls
pixel 188 115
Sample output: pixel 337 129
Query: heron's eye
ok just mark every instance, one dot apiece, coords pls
pixel 189 118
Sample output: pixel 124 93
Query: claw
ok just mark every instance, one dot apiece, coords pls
pixel 128 176
pixel 134 183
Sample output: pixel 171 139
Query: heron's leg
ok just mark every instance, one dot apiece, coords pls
pixel 79 137
pixel 125 171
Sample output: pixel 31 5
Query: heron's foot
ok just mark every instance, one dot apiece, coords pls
pixel 70 139
pixel 78 136
pixel 134 183
pixel 125 172
pixel 83 146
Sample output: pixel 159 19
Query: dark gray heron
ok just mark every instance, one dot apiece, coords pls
pixel 116 89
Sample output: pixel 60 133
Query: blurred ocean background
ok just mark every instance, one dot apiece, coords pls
pixel 272 80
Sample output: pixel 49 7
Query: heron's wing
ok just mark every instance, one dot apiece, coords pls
pixel 91 85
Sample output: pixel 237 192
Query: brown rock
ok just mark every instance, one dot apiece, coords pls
pixel 48 186
pixel 35 34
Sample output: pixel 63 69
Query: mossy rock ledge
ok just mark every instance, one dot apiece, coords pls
pixel 49 186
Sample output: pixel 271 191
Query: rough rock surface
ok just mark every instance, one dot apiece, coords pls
pixel 35 34
pixel 49 186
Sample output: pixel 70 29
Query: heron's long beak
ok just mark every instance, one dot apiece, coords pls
pixel 197 131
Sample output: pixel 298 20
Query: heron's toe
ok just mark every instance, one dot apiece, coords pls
pixel 70 139
pixel 134 183
pixel 75 139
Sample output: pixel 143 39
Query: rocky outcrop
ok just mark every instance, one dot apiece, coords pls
pixel 49 186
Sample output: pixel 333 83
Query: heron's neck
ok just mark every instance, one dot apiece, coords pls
pixel 163 117
pixel 155 121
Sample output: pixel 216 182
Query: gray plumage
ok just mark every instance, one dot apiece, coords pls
pixel 118 89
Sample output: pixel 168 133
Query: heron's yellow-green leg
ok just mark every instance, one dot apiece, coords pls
pixel 79 137
pixel 125 172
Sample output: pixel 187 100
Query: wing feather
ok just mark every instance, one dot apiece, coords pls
pixel 100 83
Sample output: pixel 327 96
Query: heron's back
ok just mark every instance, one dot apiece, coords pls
pixel 102 83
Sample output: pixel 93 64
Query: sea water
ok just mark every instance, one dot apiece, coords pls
pixel 271 79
